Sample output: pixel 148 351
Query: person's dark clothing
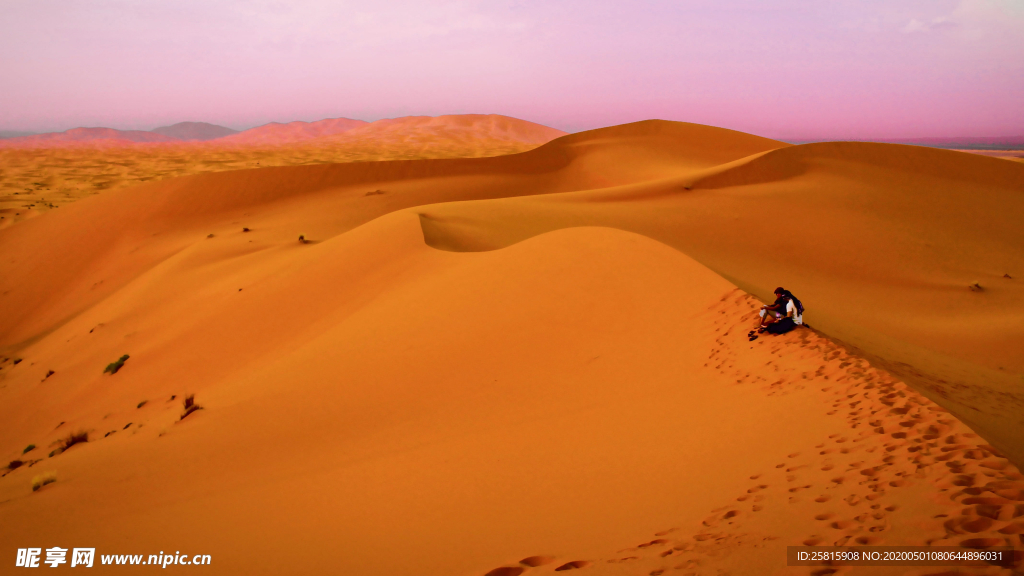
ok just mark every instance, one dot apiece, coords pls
pixel 780 304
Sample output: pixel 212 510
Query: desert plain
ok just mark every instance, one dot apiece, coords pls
pixel 474 345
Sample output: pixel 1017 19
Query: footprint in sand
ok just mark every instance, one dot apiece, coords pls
pixel 575 564
pixel 506 571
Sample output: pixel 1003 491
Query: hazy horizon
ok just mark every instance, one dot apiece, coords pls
pixel 4 134
pixel 789 70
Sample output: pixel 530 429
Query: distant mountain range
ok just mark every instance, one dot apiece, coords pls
pixel 275 133
pixel 268 134
pixel 194 131
pixel 967 143
pixel 956 143
pixel 13 134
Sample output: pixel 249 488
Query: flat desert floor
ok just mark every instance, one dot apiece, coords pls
pixel 523 364
pixel 34 180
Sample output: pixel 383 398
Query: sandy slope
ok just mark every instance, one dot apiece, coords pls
pixel 482 360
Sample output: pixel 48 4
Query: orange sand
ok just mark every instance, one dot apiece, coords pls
pixel 542 355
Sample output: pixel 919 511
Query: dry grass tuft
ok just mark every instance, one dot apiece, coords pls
pixel 43 479
pixel 190 405
pixel 74 438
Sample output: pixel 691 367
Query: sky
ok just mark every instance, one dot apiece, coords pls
pixel 789 69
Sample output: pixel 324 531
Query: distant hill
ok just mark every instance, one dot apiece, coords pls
pixel 14 134
pixel 277 133
pixel 416 135
pixel 195 131
pixel 453 127
pixel 968 143
pixel 93 136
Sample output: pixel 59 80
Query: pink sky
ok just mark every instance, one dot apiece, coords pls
pixel 787 68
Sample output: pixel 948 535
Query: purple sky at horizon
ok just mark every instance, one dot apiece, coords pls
pixel 786 69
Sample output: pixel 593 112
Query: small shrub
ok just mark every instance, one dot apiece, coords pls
pixel 209 235
pixel 17 360
pixel 141 404
pixel 302 239
pixel 43 479
pixel 245 229
pixel 190 406
pixel 74 438
pixel 15 464
pixel 48 374
pixel 28 448
pixel 113 367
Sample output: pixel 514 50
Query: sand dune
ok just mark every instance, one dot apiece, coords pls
pixel 524 364
pixel 277 133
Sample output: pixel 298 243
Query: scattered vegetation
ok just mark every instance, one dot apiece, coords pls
pixel 28 448
pixel 190 406
pixel 976 287
pixel 374 192
pixel 43 479
pixel 1007 275
pixel 113 367
pixel 209 235
pixel 48 374
pixel 74 438
pixel 17 360
pixel 141 404
pixel 302 239
pixel 173 396
pixel 245 230
pixel 14 464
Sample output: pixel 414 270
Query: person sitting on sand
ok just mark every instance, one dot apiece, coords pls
pixel 771 312
pixel 784 315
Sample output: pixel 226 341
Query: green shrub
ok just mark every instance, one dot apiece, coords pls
pixel 28 448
